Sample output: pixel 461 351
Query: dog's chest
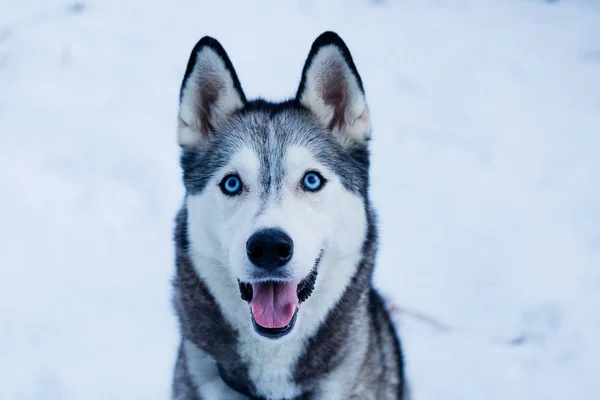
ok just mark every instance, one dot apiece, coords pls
pixel 271 367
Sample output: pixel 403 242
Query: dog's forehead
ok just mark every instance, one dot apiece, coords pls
pixel 270 136
pixel 268 132
pixel 273 135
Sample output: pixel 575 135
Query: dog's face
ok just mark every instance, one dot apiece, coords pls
pixel 276 193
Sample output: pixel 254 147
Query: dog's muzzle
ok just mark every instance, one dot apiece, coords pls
pixel 274 305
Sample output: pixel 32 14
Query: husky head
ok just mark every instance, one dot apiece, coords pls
pixel 276 193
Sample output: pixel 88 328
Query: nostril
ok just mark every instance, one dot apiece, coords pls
pixel 283 251
pixel 256 252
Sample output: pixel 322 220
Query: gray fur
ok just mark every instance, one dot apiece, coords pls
pixel 183 387
pixel 355 350
pixel 199 316
pixel 381 375
pixel 292 126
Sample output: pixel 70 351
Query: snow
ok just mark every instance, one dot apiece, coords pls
pixel 485 175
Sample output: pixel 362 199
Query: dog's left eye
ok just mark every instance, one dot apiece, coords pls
pixel 231 185
pixel 313 181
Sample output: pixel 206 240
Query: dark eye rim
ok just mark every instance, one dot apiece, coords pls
pixel 318 174
pixel 225 191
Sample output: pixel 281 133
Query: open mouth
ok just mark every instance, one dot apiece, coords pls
pixel 274 305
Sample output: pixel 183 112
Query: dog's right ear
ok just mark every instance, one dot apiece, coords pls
pixel 332 89
pixel 210 93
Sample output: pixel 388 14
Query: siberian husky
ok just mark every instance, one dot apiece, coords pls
pixel 276 238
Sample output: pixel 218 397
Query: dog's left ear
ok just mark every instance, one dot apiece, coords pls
pixel 332 89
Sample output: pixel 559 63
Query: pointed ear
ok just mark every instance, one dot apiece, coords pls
pixel 332 89
pixel 210 93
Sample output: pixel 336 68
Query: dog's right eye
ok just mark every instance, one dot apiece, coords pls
pixel 231 185
pixel 313 181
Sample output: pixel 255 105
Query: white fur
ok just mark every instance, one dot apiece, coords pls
pixel 209 71
pixel 219 226
pixel 205 374
pixel 324 71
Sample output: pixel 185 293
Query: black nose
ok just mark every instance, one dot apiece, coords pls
pixel 270 248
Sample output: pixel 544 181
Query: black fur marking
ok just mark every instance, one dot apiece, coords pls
pixel 181 234
pixel 213 44
pixel 236 385
pixel 384 323
pixel 246 291
pixel 306 287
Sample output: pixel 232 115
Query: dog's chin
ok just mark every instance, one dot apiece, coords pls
pixel 274 304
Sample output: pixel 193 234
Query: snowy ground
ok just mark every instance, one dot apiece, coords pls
pixel 485 175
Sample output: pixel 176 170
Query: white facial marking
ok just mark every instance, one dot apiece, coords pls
pixel 332 219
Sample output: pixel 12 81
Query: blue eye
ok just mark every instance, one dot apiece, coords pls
pixel 231 185
pixel 313 181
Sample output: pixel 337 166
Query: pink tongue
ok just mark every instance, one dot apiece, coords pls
pixel 274 303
